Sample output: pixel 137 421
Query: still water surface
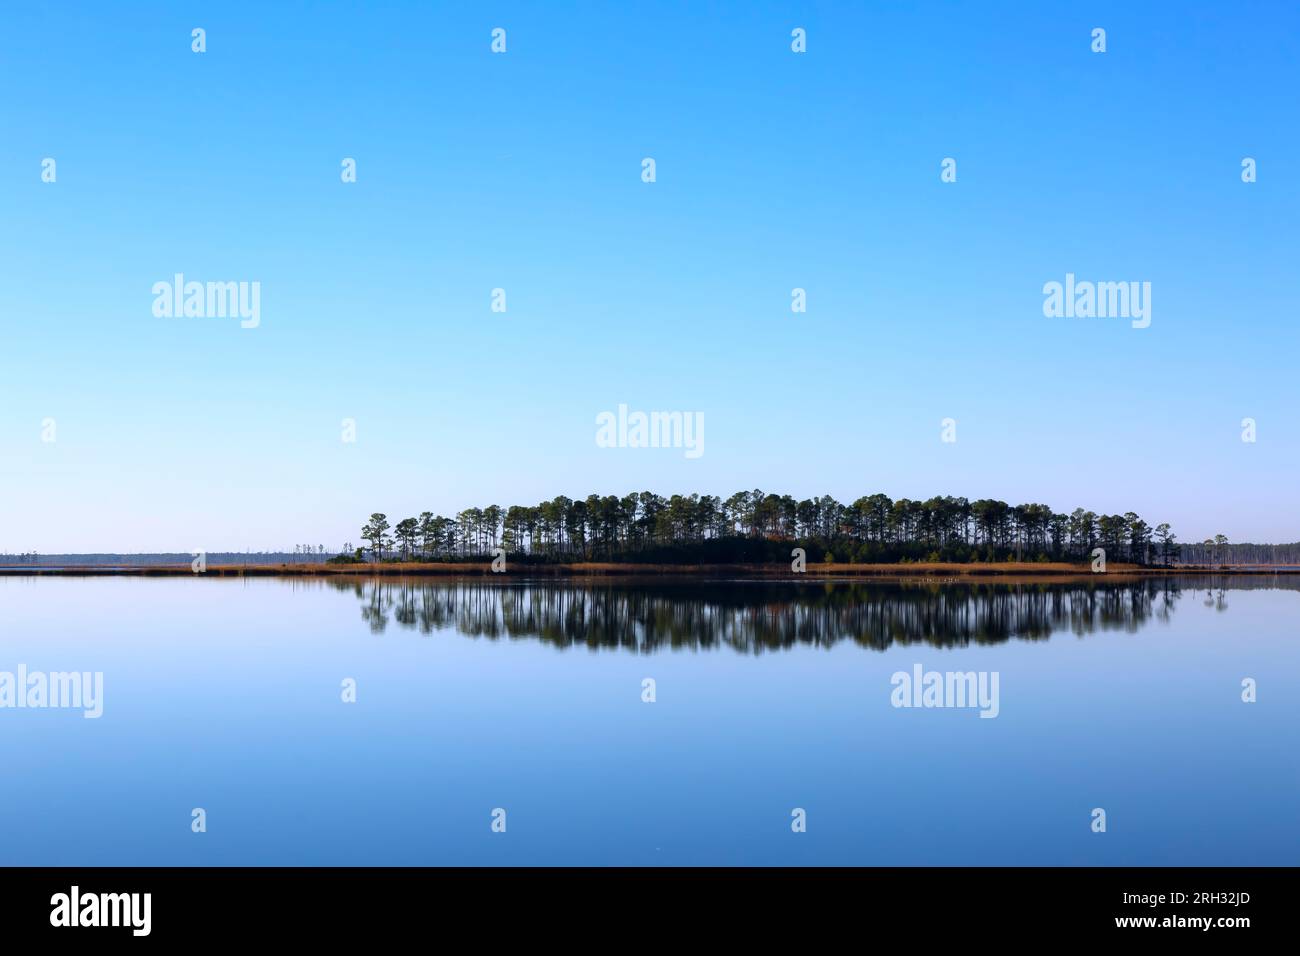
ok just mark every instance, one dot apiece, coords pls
pixel 473 695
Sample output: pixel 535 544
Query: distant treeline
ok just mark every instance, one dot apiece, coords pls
pixel 754 526
pixel 160 559
pixel 1210 552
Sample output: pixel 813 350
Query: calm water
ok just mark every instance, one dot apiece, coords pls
pixel 226 695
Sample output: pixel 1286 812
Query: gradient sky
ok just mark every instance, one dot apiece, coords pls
pixel 522 171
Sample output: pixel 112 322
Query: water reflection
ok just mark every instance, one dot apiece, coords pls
pixel 756 616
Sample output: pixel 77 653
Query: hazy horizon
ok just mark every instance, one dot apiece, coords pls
pixel 356 540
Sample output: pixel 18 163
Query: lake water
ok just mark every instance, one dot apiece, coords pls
pixel 474 695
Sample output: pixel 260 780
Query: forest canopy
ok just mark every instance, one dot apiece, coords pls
pixel 761 526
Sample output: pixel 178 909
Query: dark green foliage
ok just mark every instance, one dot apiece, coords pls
pixel 752 527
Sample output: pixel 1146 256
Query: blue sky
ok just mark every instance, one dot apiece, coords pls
pixel 522 171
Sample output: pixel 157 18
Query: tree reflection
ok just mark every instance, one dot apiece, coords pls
pixel 756 616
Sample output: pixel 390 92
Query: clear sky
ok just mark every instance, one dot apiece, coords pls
pixel 522 171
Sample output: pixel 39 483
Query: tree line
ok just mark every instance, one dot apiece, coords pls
pixel 759 526
pixel 1218 550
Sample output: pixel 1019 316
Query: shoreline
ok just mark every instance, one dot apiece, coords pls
pixel 1017 569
